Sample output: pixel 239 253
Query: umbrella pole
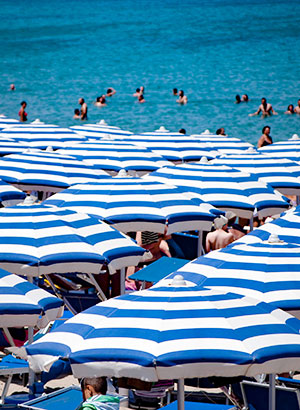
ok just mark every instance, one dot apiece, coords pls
pixel 9 336
pixel 297 200
pixel 199 245
pixel 122 281
pixel 180 394
pixel 272 392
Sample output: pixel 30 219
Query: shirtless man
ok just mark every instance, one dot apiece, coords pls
pixel 182 98
pixel 220 238
pixel 265 108
pixel 297 109
pixel 83 110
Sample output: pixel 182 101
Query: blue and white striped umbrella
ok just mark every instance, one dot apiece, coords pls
pixel 175 331
pixel 284 149
pixel 9 146
pixel 222 144
pixel 224 187
pixel 46 171
pixel 287 227
pixel 36 240
pixel 7 122
pixel 99 130
pixel 116 156
pixel 24 304
pixel 9 195
pixel 40 135
pixel 133 204
pixel 281 173
pixel 268 271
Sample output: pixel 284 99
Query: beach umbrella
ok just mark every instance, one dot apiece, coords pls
pixel 9 146
pixel 46 171
pixel 268 271
pixel 284 149
pixel 25 304
pixel 40 135
pixel 40 240
pixel 7 122
pixel 115 156
pixel 9 195
pixel 287 227
pixel 134 204
pixel 223 144
pixel 224 187
pixel 280 173
pixel 99 130
pixel 174 330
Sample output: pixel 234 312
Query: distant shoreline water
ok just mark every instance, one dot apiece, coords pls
pixel 58 51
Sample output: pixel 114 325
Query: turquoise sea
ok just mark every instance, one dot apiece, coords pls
pixel 57 51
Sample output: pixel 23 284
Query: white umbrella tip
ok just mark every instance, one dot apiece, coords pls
pixel 203 160
pixel 37 121
pixel 122 173
pixel 49 148
pixel 251 149
pixel 178 280
pixel 295 137
pixel 29 200
pixel 102 122
pixel 206 132
pixel 274 238
pixel 162 129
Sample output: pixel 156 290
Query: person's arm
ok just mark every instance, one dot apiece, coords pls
pixel 113 91
pixel 83 111
pixel 260 141
pixel 207 245
pixel 256 112
pixel 273 112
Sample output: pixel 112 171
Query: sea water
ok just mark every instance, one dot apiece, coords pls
pixel 59 50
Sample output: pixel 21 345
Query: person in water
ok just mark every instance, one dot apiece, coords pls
pixel 22 113
pixel 297 109
pixel 83 110
pixel 76 114
pixel 182 98
pixel 265 108
pixel 137 93
pixel 266 138
pixel 141 99
pixel 238 99
pixel 245 98
pixel 175 91
pixel 94 393
pixel 12 87
pixel 110 92
pixel 100 101
pixel 221 131
pixel 182 131
pixel 290 109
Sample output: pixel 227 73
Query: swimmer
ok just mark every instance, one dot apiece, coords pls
pixel 22 113
pixel 100 101
pixel 182 98
pixel 297 109
pixel 182 131
pixel 142 90
pixel 221 131
pixel 266 138
pixel 245 98
pixel 83 110
pixel 141 99
pixel 290 109
pixel 12 87
pixel 237 99
pixel 175 91
pixel 110 92
pixel 265 108
pixel 76 114
pixel 137 92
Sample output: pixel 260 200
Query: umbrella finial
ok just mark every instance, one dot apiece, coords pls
pixel 161 129
pixel 37 121
pixel 251 150
pixel 102 122
pixel 203 160
pixel 274 238
pixel 122 173
pixel 295 137
pixel 49 148
pixel 178 280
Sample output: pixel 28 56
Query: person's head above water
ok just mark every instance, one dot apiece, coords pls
pixel 182 131
pixel 81 101
pixel 175 91
pixel 290 108
pixel 76 111
pixel 23 104
pixel 220 131
pixel 266 130
pixel 181 93
pixel 237 99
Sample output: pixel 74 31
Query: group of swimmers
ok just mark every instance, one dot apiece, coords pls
pixel 265 108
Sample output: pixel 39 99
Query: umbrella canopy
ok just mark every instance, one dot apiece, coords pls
pixel 24 304
pixel 281 173
pixel 224 187
pixel 115 156
pixel 46 171
pixel 9 195
pixel 175 330
pixel 7 122
pixel 40 135
pixel 133 204
pixel 224 145
pixel 9 146
pixel 287 227
pixel 39 240
pixel 99 130
pixel 268 271
pixel 284 149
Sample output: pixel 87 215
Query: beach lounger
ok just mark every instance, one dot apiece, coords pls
pixel 189 405
pixel 10 366
pixel 256 394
